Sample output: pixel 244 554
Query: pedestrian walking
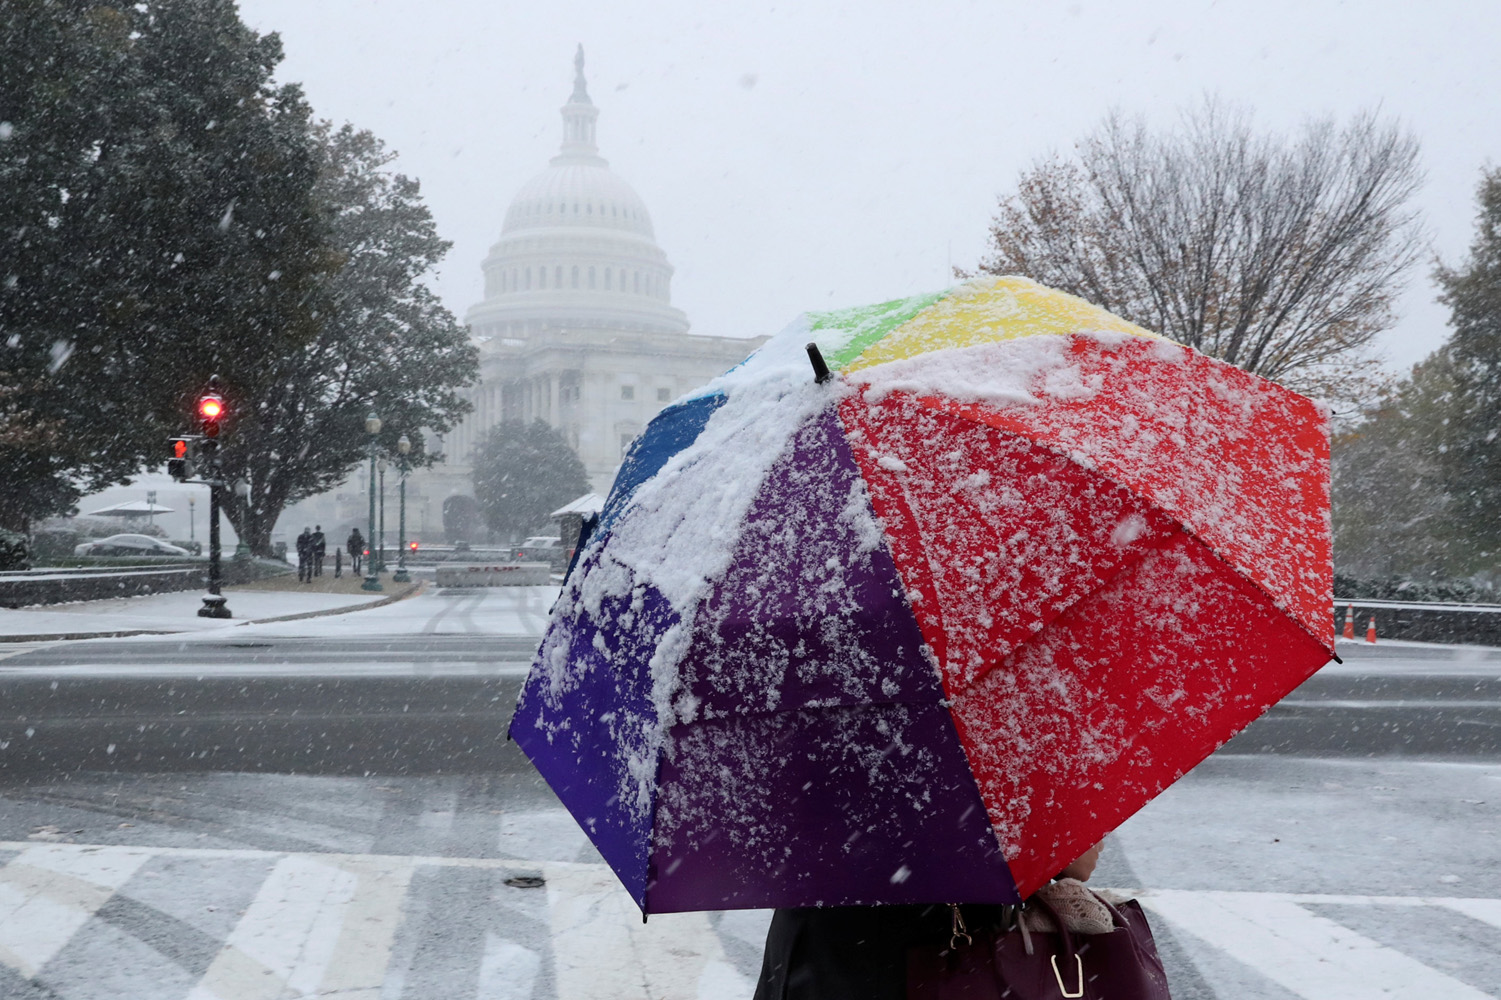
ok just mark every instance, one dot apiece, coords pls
pixel 305 556
pixel 355 546
pixel 320 546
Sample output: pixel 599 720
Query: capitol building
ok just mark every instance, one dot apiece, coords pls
pixel 577 328
pixel 577 325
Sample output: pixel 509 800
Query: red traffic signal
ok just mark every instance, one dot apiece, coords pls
pixel 182 464
pixel 210 410
pixel 412 546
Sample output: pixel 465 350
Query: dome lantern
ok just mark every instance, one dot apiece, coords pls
pixel 579 115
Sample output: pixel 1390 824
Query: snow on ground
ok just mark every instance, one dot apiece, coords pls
pixel 175 612
pixel 518 611
pixel 1272 878
pixel 497 611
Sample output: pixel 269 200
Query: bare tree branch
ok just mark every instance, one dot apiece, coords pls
pixel 1282 257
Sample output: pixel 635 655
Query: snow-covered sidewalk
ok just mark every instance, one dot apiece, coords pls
pixel 167 613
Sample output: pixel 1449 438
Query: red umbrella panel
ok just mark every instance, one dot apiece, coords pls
pixel 1113 581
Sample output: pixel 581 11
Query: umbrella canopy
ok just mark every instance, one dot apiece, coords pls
pixel 135 508
pixel 926 631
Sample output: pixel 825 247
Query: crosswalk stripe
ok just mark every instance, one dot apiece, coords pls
pixel 602 950
pixel 314 927
pixel 49 891
pixel 1308 955
pixel 1485 910
pixel 507 971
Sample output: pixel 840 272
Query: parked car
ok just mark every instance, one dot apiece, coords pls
pixel 129 545
pixel 542 548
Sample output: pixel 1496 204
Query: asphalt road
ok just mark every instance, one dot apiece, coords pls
pixel 439 704
pixel 251 797
pixel 433 704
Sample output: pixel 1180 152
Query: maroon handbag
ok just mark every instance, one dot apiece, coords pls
pixel 1042 965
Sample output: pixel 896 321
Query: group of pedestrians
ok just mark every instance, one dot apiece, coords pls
pixel 312 548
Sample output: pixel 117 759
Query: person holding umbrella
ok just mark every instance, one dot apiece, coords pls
pixel 862 951
pixel 921 600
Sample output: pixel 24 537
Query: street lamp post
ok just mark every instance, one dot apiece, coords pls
pixel 372 576
pixel 403 448
pixel 382 540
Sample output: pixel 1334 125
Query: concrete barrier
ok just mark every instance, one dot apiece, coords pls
pixel 495 575
pixel 48 586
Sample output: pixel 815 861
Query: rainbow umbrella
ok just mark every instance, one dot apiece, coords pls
pixel 926 628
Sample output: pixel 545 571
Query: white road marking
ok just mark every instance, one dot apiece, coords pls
pixel 9 649
pixel 315 927
pixel 1486 910
pixel 49 891
pixel 507 971
pixel 1308 955
pixel 602 950
pixel 326 924
pixel 543 835
pixel 344 668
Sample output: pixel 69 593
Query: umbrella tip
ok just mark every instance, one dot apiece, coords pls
pixel 821 373
pixel 1336 657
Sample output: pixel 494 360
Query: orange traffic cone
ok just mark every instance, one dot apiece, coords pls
pixel 1370 632
pixel 1349 621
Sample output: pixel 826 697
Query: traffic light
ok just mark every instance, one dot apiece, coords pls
pixel 184 461
pixel 412 546
pixel 210 412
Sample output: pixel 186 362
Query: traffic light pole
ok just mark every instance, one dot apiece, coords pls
pixel 210 413
pixel 214 602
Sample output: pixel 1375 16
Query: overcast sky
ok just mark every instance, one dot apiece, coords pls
pixel 807 155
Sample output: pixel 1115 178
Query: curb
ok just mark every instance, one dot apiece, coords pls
pixel 124 633
pixel 412 591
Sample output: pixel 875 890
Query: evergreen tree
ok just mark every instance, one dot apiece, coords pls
pixel 1469 434
pixel 522 473
pixel 382 343
pixel 155 201
pixel 1418 484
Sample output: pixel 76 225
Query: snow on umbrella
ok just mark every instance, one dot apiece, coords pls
pixel 927 630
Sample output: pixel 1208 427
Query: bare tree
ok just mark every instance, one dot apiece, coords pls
pixel 1280 256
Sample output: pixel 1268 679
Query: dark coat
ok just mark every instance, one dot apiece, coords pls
pixel 318 545
pixel 354 544
pixel 305 545
pixel 848 952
